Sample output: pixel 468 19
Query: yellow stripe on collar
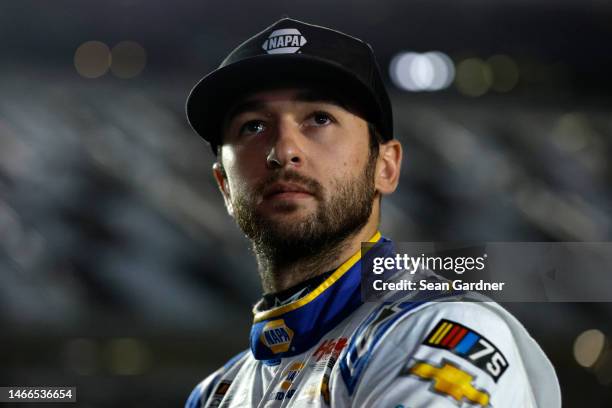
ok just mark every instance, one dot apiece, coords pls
pixel 277 311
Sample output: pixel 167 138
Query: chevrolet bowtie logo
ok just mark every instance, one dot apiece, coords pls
pixel 452 381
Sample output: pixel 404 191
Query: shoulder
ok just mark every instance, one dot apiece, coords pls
pixel 479 339
pixel 482 335
pixel 202 391
pixel 212 384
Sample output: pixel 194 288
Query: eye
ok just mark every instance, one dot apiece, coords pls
pixel 252 127
pixel 321 118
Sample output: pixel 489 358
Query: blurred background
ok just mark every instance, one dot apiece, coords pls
pixel 121 273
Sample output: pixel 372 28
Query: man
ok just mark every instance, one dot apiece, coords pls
pixel 301 124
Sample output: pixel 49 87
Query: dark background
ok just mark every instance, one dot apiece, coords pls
pixel 121 273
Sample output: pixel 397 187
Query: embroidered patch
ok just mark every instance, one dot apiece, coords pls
pixel 468 344
pixel 285 390
pixel 284 41
pixel 325 389
pixel 276 336
pixel 219 393
pixel 450 380
pixel 329 347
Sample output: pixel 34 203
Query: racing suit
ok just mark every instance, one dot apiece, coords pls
pixel 329 348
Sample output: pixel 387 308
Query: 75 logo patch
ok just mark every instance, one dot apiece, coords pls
pixel 468 344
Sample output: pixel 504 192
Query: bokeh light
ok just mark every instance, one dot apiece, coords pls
pixel 92 59
pixel 430 71
pixel 588 347
pixel 474 77
pixel 127 356
pixel 571 133
pixel 128 59
pixel 505 73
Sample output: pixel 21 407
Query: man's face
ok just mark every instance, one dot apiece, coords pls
pixel 298 171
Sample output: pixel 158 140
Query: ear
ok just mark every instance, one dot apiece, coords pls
pixel 388 166
pixel 221 179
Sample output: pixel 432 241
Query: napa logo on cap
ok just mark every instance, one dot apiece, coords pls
pixel 276 336
pixel 284 41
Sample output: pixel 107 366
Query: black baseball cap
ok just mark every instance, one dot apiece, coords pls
pixel 292 52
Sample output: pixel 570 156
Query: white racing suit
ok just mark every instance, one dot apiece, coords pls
pixel 329 348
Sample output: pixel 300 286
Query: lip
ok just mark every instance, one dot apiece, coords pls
pixel 288 195
pixel 286 190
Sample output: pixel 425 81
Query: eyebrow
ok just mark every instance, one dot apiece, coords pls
pixel 302 96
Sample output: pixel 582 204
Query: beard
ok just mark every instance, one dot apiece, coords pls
pixel 278 243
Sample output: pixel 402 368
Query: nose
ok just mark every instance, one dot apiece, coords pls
pixel 287 146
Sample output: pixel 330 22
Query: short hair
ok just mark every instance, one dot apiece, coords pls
pixel 375 139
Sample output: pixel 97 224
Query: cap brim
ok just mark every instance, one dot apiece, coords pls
pixel 214 94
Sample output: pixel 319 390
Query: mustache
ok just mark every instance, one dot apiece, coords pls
pixel 291 176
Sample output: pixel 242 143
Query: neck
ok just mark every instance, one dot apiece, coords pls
pixel 277 275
